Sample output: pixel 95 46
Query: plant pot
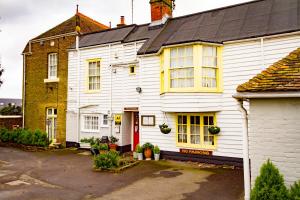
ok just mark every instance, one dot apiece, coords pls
pixel 94 151
pixel 113 147
pixel 165 130
pixel 135 155
pixel 84 145
pixel 140 156
pixel 156 157
pixel 148 154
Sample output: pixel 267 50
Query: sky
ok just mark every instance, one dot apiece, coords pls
pixel 22 20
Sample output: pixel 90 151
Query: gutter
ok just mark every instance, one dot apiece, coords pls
pixel 266 95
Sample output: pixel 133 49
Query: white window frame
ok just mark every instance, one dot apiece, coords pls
pixel 83 121
pixel 102 120
pixel 52 62
pixel 94 80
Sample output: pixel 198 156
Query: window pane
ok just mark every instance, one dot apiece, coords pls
pixel 94 75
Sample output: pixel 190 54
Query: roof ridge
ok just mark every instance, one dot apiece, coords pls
pixel 216 9
pixel 92 20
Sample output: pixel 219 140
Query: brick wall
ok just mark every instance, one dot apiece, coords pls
pixel 39 95
pixel 274 132
pixel 159 9
pixel 10 122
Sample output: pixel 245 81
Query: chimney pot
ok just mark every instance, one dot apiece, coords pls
pixel 122 22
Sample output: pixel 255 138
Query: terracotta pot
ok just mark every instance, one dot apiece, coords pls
pixel 113 147
pixel 148 154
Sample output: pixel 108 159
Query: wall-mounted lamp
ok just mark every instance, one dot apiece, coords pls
pixel 139 89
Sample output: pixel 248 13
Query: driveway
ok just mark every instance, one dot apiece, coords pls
pixel 68 175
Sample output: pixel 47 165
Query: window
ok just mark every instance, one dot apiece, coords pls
pixel 51 123
pixel 105 120
pixel 209 67
pixel 90 123
pixel 132 69
pixel 94 75
pixel 181 67
pixel 192 130
pixel 194 68
pixel 52 66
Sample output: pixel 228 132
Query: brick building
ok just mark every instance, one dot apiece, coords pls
pixel 45 67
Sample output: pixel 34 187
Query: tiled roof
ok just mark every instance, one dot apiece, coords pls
pixel 283 75
pixel 86 24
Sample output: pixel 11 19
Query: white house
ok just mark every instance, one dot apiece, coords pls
pixel 274 128
pixel 179 71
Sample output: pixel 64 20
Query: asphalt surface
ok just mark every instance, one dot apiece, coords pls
pixel 67 175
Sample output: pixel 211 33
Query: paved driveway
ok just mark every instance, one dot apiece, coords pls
pixel 67 175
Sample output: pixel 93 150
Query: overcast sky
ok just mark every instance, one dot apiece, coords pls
pixel 21 20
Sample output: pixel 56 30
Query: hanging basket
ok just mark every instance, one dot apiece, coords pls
pixel 214 130
pixel 164 128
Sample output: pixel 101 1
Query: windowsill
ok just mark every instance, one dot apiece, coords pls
pixel 51 80
pixel 90 131
pixel 92 91
pixel 217 91
pixel 196 146
pixel 104 126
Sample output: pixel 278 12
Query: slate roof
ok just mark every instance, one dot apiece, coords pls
pixel 283 75
pixel 241 21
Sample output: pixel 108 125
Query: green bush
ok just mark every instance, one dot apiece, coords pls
pixel 103 147
pixel 107 160
pixel 269 185
pixel 295 191
pixel 26 137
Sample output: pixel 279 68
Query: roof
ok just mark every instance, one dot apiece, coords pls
pixel 87 25
pixel 283 75
pixel 241 21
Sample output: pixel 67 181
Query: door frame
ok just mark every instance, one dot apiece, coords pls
pixel 132 128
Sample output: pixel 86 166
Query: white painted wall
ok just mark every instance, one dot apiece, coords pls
pixel 274 133
pixel 123 86
pixel 241 61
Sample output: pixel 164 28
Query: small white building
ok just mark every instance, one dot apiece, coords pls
pixel 180 71
pixel 273 119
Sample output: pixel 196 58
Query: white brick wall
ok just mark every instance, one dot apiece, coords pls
pixel 274 132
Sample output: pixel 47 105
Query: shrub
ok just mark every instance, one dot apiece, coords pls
pixel 26 137
pixel 107 160
pixel 295 191
pixel 103 147
pixel 113 140
pixel 156 150
pixel 148 146
pixel 269 185
pixel 138 149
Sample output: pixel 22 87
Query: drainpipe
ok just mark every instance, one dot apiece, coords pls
pixel 247 186
pixel 262 53
pixel 24 81
pixel 78 85
pixel 111 91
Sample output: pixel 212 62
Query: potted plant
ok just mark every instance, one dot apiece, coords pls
pixel 164 128
pixel 214 130
pixel 95 149
pixel 113 141
pixel 148 147
pixel 135 156
pixel 103 147
pixel 139 151
pixel 156 152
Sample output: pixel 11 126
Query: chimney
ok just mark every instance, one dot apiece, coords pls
pixel 160 8
pixel 122 22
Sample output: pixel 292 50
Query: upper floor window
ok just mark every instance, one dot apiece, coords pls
pixel 94 75
pixel 182 67
pixel 191 69
pixel 52 66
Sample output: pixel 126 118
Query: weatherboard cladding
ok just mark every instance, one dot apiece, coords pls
pixel 242 21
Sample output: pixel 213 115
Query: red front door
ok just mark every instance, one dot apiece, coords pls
pixel 136 131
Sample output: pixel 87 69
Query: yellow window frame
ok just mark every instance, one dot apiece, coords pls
pixel 88 61
pixel 201 145
pixel 134 68
pixel 165 62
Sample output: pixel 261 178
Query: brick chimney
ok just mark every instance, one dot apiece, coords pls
pixel 122 22
pixel 160 8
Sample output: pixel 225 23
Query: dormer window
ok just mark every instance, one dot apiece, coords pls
pixel 52 66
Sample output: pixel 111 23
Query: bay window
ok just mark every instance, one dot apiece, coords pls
pixel 193 68
pixel 192 130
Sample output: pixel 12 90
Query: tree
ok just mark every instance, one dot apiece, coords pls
pixel 295 191
pixel 11 110
pixel 269 185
